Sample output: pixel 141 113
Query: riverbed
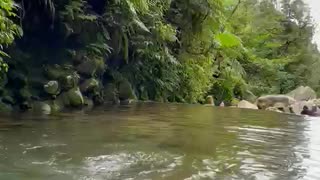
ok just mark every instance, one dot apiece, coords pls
pixel 160 141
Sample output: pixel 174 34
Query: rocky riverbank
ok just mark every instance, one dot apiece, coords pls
pixel 52 88
pixel 301 101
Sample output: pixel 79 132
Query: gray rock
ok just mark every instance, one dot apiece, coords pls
pixel 246 105
pixel 297 107
pixel 264 102
pixel 274 109
pixel 303 93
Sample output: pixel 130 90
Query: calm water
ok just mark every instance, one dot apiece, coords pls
pixel 156 141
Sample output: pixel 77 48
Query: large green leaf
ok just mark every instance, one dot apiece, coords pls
pixel 228 40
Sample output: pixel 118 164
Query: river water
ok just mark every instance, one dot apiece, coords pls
pixel 160 141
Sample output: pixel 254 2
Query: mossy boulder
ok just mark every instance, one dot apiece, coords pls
pixel 73 98
pixel 89 85
pixel 41 107
pixel 52 87
pixel 125 91
pixel 91 67
pixel 70 81
pixel 56 72
pixel 110 93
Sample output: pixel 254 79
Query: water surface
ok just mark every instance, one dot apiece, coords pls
pixel 160 141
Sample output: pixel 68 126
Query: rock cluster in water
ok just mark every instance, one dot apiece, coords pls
pixel 301 101
pixel 57 87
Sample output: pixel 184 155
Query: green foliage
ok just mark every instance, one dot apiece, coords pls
pixel 8 30
pixel 182 50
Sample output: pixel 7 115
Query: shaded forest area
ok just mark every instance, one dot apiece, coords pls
pixel 161 50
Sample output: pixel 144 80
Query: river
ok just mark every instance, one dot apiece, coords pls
pixel 160 141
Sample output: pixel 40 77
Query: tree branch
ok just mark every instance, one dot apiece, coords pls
pixel 235 9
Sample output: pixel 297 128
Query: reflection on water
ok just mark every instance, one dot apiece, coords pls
pixel 160 141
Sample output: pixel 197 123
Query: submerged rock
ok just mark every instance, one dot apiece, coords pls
pixel 25 106
pixel 298 106
pixel 41 107
pixel 314 111
pixel 274 109
pixel 126 102
pixel 88 102
pixel 56 106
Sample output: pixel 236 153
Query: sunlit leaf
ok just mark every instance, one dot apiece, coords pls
pixel 228 40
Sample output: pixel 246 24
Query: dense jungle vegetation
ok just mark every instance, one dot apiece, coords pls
pixel 167 50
